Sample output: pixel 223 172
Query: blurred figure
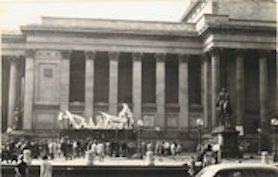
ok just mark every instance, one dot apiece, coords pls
pixel 45 168
pixel 166 148
pixel 100 151
pixel 179 150
pixel 94 148
pixel 51 149
pixel 21 169
pixel 173 150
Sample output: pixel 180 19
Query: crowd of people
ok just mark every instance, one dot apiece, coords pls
pixel 69 148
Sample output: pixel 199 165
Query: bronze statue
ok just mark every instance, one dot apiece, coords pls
pixel 223 108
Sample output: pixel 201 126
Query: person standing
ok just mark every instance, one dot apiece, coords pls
pixel 94 148
pixel 46 168
pixel 22 169
pixel 173 149
pixel 100 151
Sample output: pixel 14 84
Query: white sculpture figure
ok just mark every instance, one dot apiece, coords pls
pixel 76 121
pixel 124 120
pixel 126 114
pixel 107 121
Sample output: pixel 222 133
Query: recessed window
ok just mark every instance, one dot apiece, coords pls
pixel 48 72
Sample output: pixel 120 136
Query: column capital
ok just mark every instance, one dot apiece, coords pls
pixel 239 51
pixel 205 57
pixel 114 55
pixel 13 57
pixel 90 54
pixel 183 57
pixel 30 53
pixel 263 53
pixel 66 54
pixel 137 56
pixel 160 56
pixel 215 51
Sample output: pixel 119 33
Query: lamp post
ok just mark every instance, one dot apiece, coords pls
pixel 259 130
pixel 139 124
pixel 274 123
pixel 200 123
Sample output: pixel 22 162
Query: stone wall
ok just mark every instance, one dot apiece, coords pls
pixel 246 9
pixel 235 9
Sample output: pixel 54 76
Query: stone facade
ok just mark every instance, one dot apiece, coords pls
pixel 168 73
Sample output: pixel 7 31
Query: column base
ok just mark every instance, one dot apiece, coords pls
pixel 227 138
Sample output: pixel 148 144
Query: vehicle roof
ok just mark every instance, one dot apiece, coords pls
pixel 222 166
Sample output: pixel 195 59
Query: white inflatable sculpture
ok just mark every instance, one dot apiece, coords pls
pixel 124 120
pixel 76 121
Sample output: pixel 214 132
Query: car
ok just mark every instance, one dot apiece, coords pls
pixel 239 170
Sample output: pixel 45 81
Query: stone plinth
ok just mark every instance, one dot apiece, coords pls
pixel 227 138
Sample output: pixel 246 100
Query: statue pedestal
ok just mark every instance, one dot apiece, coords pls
pixel 227 138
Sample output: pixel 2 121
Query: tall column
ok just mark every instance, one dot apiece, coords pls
pixel 206 91
pixel 215 83
pixel 137 85
pixel 89 83
pixel 183 91
pixel 263 87
pixel 65 80
pixel 277 82
pixel 29 89
pixel 160 90
pixel 240 106
pixel 113 82
pixel 12 90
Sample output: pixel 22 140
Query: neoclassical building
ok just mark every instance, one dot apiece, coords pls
pixel 169 73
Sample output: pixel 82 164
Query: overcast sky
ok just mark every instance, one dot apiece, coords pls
pixel 20 12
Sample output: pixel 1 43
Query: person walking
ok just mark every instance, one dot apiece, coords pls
pixel 45 168
pixel 21 170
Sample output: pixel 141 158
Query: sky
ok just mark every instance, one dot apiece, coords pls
pixel 14 13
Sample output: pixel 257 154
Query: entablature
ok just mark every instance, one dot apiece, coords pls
pixel 223 32
pixel 13 44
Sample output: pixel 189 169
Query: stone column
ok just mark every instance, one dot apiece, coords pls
pixel 277 82
pixel 160 90
pixel 137 85
pixel 183 91
pixel 12 90
pixel 65 80
pixel 240 105
pixel 89 84
pixel 263 87
pixel 206 91
pixel 113 82
pixel 29 89
pixel 215 83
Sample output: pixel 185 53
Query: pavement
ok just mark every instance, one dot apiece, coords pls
pixel 158 161
pixel 116 161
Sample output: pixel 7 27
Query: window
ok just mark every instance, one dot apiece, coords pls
pixel 247 173
pixel 231 173
pixel 48 72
